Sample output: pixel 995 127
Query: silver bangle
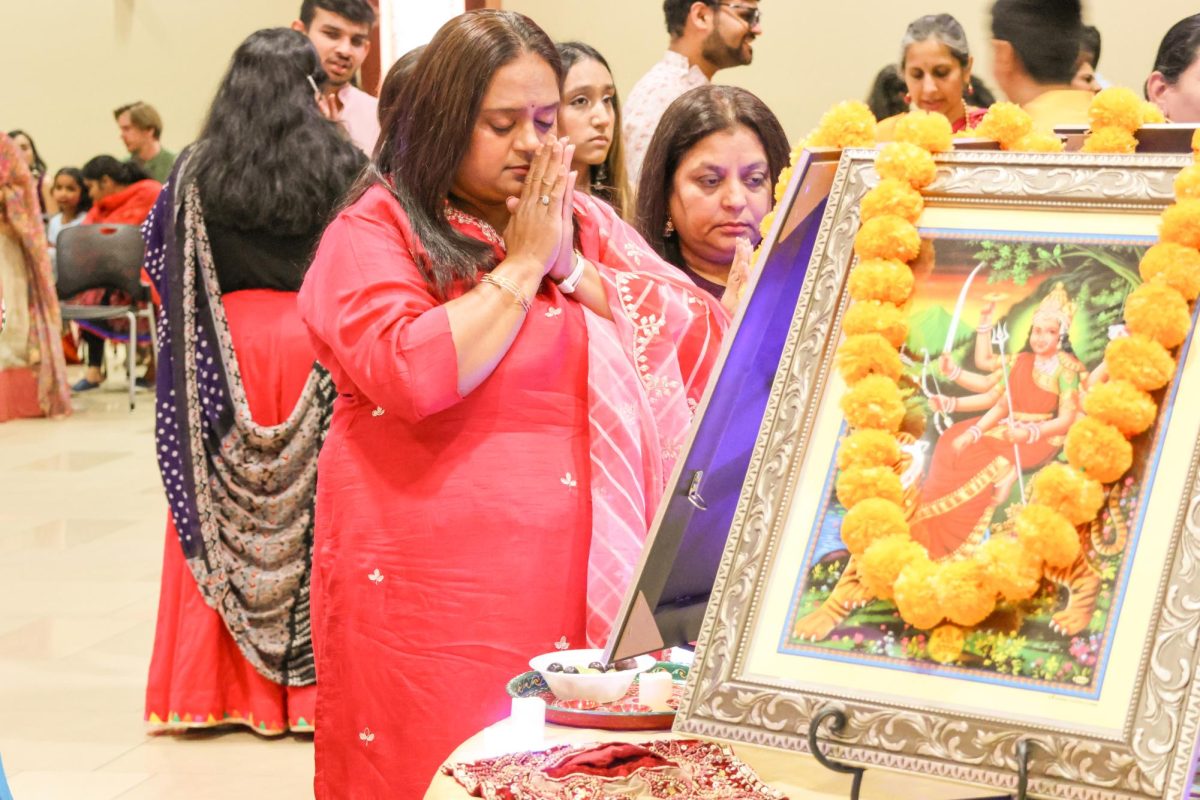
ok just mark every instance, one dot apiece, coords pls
pixel 569 284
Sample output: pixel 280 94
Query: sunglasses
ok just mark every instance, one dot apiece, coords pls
pixel 751 15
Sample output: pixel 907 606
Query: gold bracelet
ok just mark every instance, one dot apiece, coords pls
pixel 511 287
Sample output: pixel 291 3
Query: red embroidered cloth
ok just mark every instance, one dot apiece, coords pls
pixel 676 769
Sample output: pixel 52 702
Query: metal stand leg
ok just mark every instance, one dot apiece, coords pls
pixel 1023 747
pixel 838 722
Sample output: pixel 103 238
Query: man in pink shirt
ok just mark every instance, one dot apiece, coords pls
pixel 706 36
pixel 340 30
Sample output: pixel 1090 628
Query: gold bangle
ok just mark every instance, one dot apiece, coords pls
pixel 511 287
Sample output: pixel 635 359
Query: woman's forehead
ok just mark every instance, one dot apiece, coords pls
pixel 527 83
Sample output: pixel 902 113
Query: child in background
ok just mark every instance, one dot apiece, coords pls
pixel 73 200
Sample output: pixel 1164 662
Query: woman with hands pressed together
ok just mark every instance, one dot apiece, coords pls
pixel 516 373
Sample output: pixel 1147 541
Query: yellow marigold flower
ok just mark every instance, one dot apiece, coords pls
pixel 868 448
pixel 1179 266
pixel 1007 123
pixel 1156 310
pixel 1142 361
pixel 871 520
pixel 916 595
pixel 874 402
pixel 1187 183
pixel 764 225
pixel 872 316
pixel 1015 572
pixel 1046 533
pixel 927 130
pixel 1196 141
pixel 1152 114
pixel 1122 405
pixel 1116 107
pixel 781 183
pixel 966 133
pixel 906 162
pixel 946 644
pixel 885 280
pixel 883 560
pixel 1099 450
pixel 1181 224
pixel 849 124
pixel 965 591
pixel 1068 492
pixel 867 354
pixel 1109 140
pixel 892 197
pixel 858 484
pixel 1037 142
pixel 888 237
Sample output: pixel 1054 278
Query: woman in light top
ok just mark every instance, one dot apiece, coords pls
pixel 936 63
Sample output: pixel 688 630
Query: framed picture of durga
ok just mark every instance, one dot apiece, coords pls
pixel 1025 265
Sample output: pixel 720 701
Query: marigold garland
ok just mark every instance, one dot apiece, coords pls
pixel 1067 491
pixel 1140 360
pixel 888 237
pixel 1179 266
pixel 871 520
pixel 892 197
pixel 1098 450
pixel 928 130
pixel 1181 224
pixel 857 484
pixel 868 448
pixel 906 162
pixel 946 643
pixel 916 595
pixel 965 591
pixel 883 561
pixel 1116 107
pixel 873 316
pixel 1109 140
pixel 865 354
pixel 1005 122
pixel 1159 312
pixel 874 402
pixel 1047 534
pixel 1122 405
pixel 1015 572
pixel 885 280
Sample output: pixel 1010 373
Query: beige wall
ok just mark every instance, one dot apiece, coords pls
pixel 76 60
pixel 813 55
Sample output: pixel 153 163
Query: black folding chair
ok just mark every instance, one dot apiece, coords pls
pixel 105 256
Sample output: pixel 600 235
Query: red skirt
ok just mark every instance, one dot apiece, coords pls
pixel 198 676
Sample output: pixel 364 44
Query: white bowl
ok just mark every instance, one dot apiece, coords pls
pixel 605 687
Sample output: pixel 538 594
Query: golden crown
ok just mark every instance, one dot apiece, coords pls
pixel 1058 306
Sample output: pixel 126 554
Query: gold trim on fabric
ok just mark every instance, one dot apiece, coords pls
pixel 965 493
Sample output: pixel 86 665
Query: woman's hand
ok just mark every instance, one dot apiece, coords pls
pixel 1018 435
pixel 962 441
pixel 739 276
pixel 946 364
pixel 565 264
pixel 535 228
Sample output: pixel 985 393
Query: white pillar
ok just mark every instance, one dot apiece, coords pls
pixel 406 24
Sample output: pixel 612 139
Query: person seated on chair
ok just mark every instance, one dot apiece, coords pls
pixel 121 193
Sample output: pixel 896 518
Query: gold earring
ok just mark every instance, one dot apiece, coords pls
pixel 669 229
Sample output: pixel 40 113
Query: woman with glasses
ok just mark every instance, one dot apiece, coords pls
pixel 936 63
pixel 242 405
pixel 590 119
pixel 516 372
pixel 705 37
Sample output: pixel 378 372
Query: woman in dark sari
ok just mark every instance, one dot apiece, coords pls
pixel 242 407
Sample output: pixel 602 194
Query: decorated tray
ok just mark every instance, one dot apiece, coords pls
pixel 623 715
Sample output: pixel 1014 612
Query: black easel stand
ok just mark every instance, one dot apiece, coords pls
pixel 838 721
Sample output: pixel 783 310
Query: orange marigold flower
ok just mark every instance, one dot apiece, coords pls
pixel 1007 123
pixel 1187 183
pixel 927 130
pixel 867 354
pixel 874 402
pixel 946 644
pixel 1156 310
pixel 871 520
pixel 1122 405
pixel 857 484
pixel 916 595
pixel 1116 107
pixel 965 591
pixel 781 183
pixel 1110 140
pixel 1068 492
pixel 1046 533
pixel 1142 361
pixel 1179 266
pixel 764 225
pixel 1196 141
pixel 872 316
pixel 883 279
pixel 868 448
pixel 893 197
pixel 849 124
pixel 1181 224
pixel 1099 450
pixel 883 560
pixel 1014 571
pixel 888 237
pixel 906 162
pixel 1152 114
pixel 1037 142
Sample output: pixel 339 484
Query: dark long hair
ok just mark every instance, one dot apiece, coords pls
pixel 1178 49
pixel 389 90
pixel 436 113
pixel 609 181
pixel 694 115
pixel 39 166
pixel 266 158
pixel 122 173
pixel 886 98
pixel 85 197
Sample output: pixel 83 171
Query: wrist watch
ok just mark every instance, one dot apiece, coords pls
pixel 569 284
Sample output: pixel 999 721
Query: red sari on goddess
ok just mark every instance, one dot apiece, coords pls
pixel 457 537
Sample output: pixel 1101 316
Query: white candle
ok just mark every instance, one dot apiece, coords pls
pixel 654 689
pixel 528 722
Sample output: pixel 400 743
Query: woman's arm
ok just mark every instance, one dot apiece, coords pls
pixel 971 381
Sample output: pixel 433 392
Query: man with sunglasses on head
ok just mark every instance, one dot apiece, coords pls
pixel 706 36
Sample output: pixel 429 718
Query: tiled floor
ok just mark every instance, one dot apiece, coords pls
pixel 81 536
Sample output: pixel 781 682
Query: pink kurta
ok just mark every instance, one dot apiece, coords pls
pixel 453 534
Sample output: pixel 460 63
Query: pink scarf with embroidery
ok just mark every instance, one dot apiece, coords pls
pixel 647 369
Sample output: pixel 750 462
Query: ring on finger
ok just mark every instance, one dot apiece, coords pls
pixel 544 199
